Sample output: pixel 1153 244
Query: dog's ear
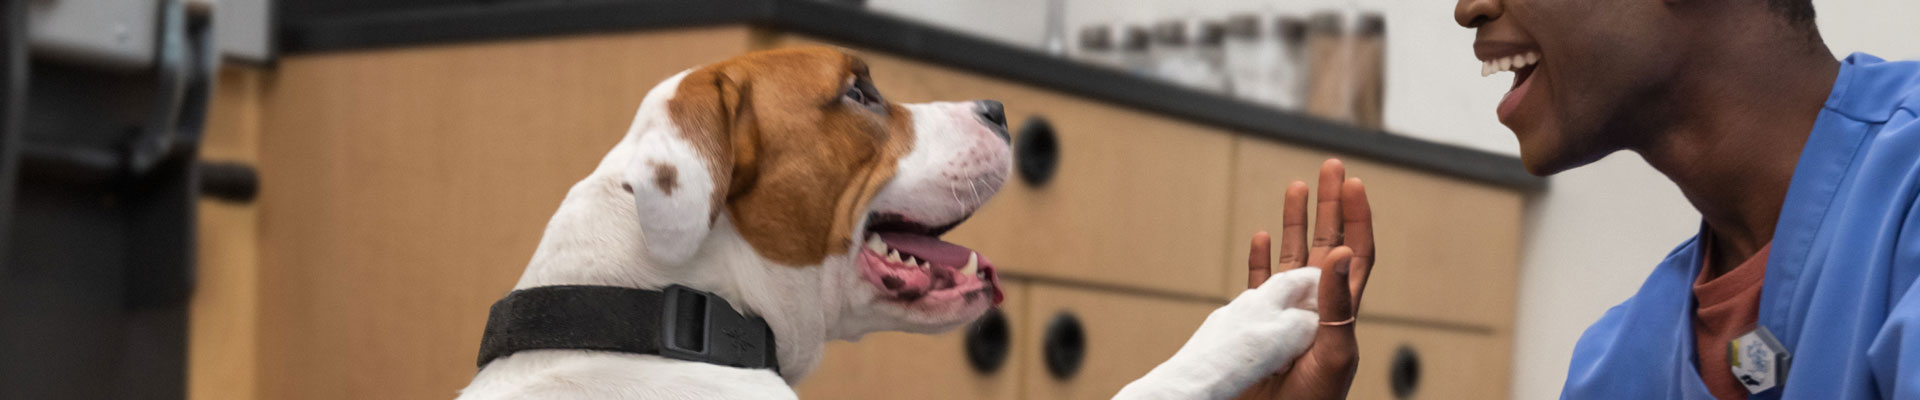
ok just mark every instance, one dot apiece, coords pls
pixel 681 172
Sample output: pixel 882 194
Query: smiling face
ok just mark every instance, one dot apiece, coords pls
pixel 1590 77
pixel 819 175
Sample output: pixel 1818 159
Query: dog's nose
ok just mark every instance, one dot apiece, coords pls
pixel 995 114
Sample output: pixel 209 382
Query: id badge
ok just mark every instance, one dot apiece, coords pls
pixel 1758 360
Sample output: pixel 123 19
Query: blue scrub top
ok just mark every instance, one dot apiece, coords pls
pixel 1839 284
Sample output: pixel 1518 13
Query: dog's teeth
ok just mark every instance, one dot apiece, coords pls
pixel 913 262
pixel 876 245
pixel 893 256
pixel 973 265
pixel 926 265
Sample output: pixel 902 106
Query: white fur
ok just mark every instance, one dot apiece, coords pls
pixel 602 235
pixel 1258 333
pixel 675 219
pixel 963 167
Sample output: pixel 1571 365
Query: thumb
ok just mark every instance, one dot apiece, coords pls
pixel 1334 344
pixel 1336 301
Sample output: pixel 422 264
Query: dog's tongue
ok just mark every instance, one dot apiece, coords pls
pixel 941 253
pixel 928 248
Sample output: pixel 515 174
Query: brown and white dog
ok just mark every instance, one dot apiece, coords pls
pixel 783 182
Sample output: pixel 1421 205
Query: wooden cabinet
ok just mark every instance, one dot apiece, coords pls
pixel 1122 336
pixel 1117 336
pixel 1431 363
pixel 896 365
pixel 223 339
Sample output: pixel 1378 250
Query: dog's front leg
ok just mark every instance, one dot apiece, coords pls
pixel 1257 334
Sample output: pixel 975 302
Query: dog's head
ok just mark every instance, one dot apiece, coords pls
pixel 816 171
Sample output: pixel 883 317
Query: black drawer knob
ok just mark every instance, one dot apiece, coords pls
pixel 1036 152
pixel 987 342
pixel 1065 345
pixel 228 181
pixel 1404 374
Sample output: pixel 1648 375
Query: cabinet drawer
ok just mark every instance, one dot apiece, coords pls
pixel 1135 199
pixel 1447 249
pixel 1123 337
pixel 1437 363
pixel 898 365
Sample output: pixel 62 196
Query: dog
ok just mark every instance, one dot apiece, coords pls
pixel 784 183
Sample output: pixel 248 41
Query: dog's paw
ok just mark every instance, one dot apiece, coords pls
pixel 1258 333
pixel 1264 328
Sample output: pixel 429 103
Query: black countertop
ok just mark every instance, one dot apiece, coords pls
pixel 467 22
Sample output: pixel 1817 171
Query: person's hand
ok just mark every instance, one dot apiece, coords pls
pixel 1343 246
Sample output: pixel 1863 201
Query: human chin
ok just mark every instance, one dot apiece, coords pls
pixel 1547 149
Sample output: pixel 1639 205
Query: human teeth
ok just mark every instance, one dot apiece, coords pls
pixel 1525 59
pixel 875 244
pixel 893 256
pixel 973 265
pixel 1508 63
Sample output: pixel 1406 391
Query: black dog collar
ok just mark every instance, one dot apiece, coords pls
pixel 679 322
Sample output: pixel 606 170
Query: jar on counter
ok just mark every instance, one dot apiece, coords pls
pixel 1177 57
pixel 1290 76
pixel 1261 60
pixel 1169 50
pixel 1210 57
pixel 1370 72
pixel 1097 47
pixel 1135 57
pixel 1330 67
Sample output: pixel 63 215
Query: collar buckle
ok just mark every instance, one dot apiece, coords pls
pixel 700 326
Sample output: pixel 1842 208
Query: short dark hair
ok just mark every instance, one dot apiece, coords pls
pixel 1797 12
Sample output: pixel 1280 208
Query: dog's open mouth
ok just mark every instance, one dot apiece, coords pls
pixel 907 261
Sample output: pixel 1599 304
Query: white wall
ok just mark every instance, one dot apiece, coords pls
pixel 1590 240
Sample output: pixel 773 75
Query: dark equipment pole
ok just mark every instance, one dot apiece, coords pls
pixel 98 188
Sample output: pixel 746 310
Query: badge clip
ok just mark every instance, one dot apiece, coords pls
pixel 1758 360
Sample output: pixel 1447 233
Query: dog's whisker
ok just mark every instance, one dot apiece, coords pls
pixel 971 185
pixel 972 191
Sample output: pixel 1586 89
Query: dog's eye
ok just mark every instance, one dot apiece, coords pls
pixel 855 94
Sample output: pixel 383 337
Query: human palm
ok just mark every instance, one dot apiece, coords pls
pixel 1343 245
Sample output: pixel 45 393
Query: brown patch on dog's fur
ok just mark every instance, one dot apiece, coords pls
pixel 798 165
pixel 666 178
